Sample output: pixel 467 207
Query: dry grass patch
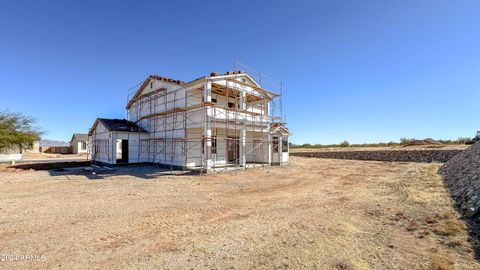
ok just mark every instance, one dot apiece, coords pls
pixel 313 214
pixel 444 221
pixel 440 262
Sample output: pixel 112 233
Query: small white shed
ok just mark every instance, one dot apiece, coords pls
pixel 118 141
pixel 79 143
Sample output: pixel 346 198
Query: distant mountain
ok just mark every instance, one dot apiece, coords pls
pixel 48 143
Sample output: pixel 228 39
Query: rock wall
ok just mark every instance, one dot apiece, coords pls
pixel 462 176
pixel 434 155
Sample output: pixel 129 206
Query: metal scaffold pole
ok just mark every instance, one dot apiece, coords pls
pixel 189 129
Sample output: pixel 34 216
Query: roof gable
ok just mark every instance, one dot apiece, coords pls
pixel 147 82
pixel 280 128
pixel 79 137
pixel 250 80
pixel 239 75
pixel 120 125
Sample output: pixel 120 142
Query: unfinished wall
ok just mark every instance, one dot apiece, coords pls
pixel 104 145
pixel 219 157
pixel 257 147
pixel 178 136
pixel 101 144
pixel 137 146
pixel 162 101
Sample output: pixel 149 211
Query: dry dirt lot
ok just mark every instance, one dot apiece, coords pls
pixel 41 156
pixel 312 214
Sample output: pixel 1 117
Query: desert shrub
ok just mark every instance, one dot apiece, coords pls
pixel 463 140
pixel 344 144
pixel 404 141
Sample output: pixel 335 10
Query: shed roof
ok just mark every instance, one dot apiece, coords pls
pixel 79 137
pixel 122 125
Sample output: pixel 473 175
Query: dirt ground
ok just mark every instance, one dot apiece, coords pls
pixel 37 156
pixel 312 214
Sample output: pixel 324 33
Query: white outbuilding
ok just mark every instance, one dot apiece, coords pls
pixel 79 143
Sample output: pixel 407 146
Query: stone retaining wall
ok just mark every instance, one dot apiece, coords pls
pixel 433 155
pixel 462 176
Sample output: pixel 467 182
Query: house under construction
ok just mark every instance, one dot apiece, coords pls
pixel 214 123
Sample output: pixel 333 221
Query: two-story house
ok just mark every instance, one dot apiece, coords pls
pixel 213 123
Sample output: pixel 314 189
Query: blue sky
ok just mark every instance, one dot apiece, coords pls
pixel 362 71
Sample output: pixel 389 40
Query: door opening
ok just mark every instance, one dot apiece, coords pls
pixel 233 149
pixel 122 151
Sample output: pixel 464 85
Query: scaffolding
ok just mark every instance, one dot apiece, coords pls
pixel 189 128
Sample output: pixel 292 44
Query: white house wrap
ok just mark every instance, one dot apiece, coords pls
pixel 211 123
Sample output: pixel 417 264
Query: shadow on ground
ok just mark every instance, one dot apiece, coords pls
pixel 102 172
pixel 49 165
pixel 98 172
